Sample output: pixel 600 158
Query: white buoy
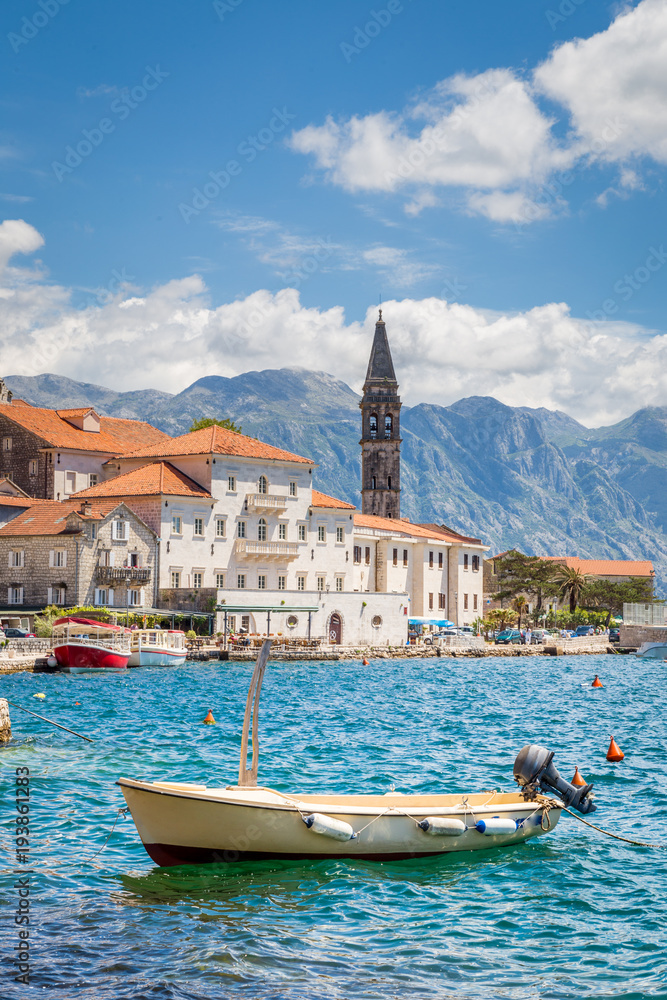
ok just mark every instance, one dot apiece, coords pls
pixel 327 826
pixel 442 826
pixel 496 826
pixel 51 661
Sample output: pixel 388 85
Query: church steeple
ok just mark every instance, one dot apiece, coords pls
pixel 380 431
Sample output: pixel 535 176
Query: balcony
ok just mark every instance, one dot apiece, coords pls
pixel 265 501
pixel 125 574
pixel 278 550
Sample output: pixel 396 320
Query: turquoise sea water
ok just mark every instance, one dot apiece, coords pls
pixel 573 914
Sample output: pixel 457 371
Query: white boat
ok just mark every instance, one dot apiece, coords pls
pixel 653 650
pixel 81 644
pixel 185 823
pixel 154 647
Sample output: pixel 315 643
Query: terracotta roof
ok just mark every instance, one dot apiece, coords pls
pixel 148 480
pixel 216 440
pixel 322 500
pixel 401 526
pixel 79 411
pixel 605 567
pixel 9 488
pixel 9 501
pixel 450 531
pixel 49 517
pixel 115 436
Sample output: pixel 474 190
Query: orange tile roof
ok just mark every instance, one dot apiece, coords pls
pixel 6 500
pixel 401 526
pixel 79 411
pixel 605 567
pixel 322 500
pixel 115 436
pixel 148 480
pixel 216 440
pixel 13 489
pixel 49 517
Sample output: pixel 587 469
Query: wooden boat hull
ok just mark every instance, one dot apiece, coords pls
pixel 76 658
pixel 187 824
pixel 156 658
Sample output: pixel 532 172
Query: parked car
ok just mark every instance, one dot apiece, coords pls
pixel 614 634
pixel 584 630
pixel 509 636
pixel 18 633
pixel 539 636
pixel 466 630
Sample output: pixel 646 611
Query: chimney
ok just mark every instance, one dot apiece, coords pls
pixel 86 508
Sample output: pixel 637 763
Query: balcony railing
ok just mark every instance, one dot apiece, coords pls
pixel 131 574
pixel 282 550
pixel 265 501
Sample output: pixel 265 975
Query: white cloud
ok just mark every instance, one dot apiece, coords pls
pixel 491 135
pixel 17 236
pixel 171 335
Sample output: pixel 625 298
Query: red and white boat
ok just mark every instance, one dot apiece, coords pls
pixel 81 644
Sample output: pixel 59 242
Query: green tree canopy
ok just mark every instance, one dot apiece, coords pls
pixel 227 423
pixel 571 585
pixel 524 576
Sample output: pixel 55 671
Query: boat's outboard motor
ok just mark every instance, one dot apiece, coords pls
pixel 533 767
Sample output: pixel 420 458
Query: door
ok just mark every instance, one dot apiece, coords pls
pixel 335 628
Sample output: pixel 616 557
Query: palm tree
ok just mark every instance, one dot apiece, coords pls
pixel 571 585
pixel 520 604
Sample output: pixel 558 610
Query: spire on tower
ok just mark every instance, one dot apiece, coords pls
pixel 380 365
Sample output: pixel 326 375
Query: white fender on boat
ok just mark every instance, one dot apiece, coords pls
pixel 496 826
pixel 51 661
pixel 337 829
pixel 442 826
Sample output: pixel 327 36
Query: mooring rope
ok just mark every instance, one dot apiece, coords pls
pixel 616 836
pixel 68 864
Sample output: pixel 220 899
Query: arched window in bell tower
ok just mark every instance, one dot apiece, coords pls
pixel 388 425
pixel 388 482
pixel 373 483
pixel 374 425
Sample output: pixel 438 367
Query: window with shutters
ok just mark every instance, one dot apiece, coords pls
pixel 134 598
pixel 442 602
pixel 465 560
pixel 474 602
pixel 17 558
pixel 430 602
pixel 405 557
pixel 357 554
pixel 465 602
pixel 367 555
pixel 120 530
pixel 475 564
pixel 395 557
pixel 15 595
pixel 430 560
pixel 440 560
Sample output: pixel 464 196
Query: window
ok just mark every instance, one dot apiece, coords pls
pixel 261 582
pixel 395 557
pixel 220 527
pixel 240 581
pixel 340 534
pixel 339 584
pixel 367 555
pixel 373 482
pixel 282 583
pixel 32 467
pixel 231 623
pixel 261 530
pixel 475 564
pixel 430 560
pixel 93 531
pixel 17 557
pixel 405 557
pixel 320 582
pixel 282 532
pixel 7 444
pixel 245 622
pixel 292 488
pixel 57 557
pixel 134 598
pixel 220 580
pixel 15 594
pixel 176 524
pixel 240 529
pixel 301 530
pixel 388 425
pixel 300 583
pixel 465 560
pixel 357 554
pixel 373 424
pixel 134 560
pixel 442 602
pixel 197 580
pixel 93 479
pixel 439 560
pixel 101 596
pixel 430 602
pixel 58 595
pixel 175 579
pixel 231 484
pixel 120 530
pixel 465 602
pixel 199 526
pixel 474 602
pixel 321 533
pixel 70 482
pixel 105 558
pixel 388 482
pixel 292 621
pixel 262 485
pixel 376 621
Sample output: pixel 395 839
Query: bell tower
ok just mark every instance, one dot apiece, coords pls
pixel 380 432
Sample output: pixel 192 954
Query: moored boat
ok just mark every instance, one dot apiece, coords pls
pixel 81 644
pixel 187 823
pixel 154 647
pixel 653 650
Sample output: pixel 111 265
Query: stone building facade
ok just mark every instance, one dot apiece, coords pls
pixel 381 432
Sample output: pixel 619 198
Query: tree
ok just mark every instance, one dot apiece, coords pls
pixel 227 423
pixel 610 596
pixel 524 576
pixel 571 584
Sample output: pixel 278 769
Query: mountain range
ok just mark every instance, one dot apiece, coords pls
pixel 534 479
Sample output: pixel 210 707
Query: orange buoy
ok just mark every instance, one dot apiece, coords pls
pixel 77 702
pixel 577 779
pixel 614 753
pixel 364 662
pixel 597 683
pixel 209 720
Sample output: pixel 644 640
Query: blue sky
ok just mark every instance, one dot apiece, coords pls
pixel 215 187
